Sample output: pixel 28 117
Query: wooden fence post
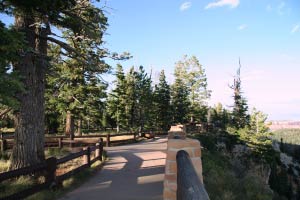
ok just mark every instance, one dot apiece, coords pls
pixel 101 149
pixel 60 144
pixel 3 144
pixel 97 150
pixel 108 140
pixel 50 171
pixel 87 157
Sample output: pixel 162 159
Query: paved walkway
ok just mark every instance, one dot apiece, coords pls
pixel 133 172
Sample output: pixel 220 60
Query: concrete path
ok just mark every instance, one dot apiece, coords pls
pixel 133 172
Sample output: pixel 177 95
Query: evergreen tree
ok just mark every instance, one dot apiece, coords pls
pixel 257 122
pixel 131 96
pixel 10 42
pixel 116 105
pixel 193 75
pixel 240 118
pixel 144 99
pixel 180 101
pixel 34 19
pixel 162 107
pixel 220 116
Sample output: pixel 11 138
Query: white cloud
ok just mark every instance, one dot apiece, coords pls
pixel 219 3
pixel 280 8
pixel 185 6
pixel 295 28
pixel 242 27
pixel 269 8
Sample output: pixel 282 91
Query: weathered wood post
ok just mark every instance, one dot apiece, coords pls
pixel 3 143
pixel 50 171
pixel 87 156
pixel 60 144
pixel 97 150
pixel 108 140
pixel 101 149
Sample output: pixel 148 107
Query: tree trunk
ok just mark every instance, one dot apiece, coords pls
pixel 79 125
pixel 70 125
pixel 29 121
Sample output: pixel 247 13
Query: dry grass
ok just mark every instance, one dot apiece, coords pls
pixel 4 164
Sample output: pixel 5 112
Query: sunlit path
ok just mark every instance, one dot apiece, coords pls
pixel 132 172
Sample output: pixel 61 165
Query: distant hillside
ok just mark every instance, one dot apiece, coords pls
pixel 276 125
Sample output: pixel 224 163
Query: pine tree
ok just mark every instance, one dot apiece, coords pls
pixel 79 93
pixel 144 99
pixel 116 105
pixel 180 101
pixel 240 118
pixel 257 122
pixel 34 19
pixel 10 42
pixel 131 96
pixel 193 75
pixel 162 107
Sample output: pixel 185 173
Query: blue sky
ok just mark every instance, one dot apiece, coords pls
pixel 265 34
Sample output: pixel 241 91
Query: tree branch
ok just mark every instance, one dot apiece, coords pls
pixel 4 112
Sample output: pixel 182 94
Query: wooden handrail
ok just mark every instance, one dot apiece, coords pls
pixel 50 167
pixel 189 185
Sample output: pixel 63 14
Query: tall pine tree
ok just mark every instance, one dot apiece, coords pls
pixel 34 20
pixel 116 105
pixel 162 103
pixel 180 101
pixel 193 76
pixel 240 117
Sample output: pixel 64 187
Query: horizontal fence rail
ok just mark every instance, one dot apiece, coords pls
pixel 49 170
pixel 6 141
pixel 189 186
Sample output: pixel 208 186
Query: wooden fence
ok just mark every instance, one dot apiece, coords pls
pixel 49 169
pixel 7 140
pixel 189 185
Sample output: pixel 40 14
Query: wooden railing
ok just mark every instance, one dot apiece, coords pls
pixel 189 186
pixel 48 169
pixel 6 140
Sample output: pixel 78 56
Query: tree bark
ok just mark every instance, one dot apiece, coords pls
pixel 29 134
pixel 70 125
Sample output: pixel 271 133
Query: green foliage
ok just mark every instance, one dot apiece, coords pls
pixel 289 136
pixel 240 118
pixel 180 101
pixel 75 88
pixel 193 76
pixel 130 102
pixel 219 116
pixel 162 107
pixel 258 122
pixel 221 182
pixel 116 100
pixel 279 182
pixel 10 42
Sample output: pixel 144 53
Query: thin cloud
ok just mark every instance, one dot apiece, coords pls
pixel 280 8
pixel 185 6
pixel 220 3
pixel 269 8
pixel 295 29
pixel 242 27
